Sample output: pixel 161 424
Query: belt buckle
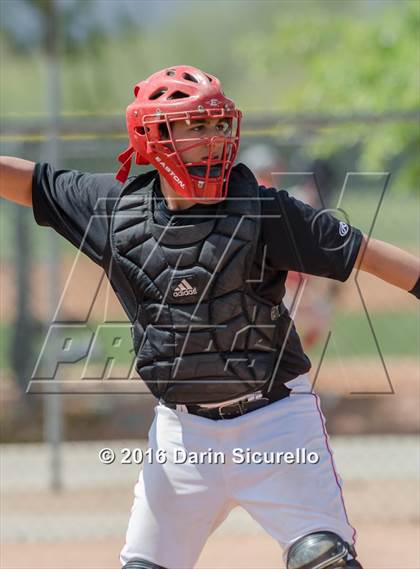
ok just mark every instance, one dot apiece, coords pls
pixel 238 404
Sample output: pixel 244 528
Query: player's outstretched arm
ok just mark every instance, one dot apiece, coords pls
pixel 389 263
pixel 16 180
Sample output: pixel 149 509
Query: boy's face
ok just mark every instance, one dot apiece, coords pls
pixel 188 133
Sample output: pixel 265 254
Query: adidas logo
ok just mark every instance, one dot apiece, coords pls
pixel 184 289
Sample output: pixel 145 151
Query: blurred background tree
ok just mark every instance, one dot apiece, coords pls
pixel 340 61
pixel 317 57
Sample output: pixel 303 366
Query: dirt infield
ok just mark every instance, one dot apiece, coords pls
pixel 380 547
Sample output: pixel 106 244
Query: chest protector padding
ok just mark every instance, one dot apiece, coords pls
pixel 201 334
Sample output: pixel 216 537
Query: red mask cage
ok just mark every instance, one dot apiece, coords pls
pixel 205 179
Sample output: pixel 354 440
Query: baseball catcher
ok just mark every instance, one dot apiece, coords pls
pixel 198 254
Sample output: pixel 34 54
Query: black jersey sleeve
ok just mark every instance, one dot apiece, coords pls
pixel 311 241
pixel 77 205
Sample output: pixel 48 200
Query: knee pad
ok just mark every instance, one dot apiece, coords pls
pixel 322 550
pixel 142 564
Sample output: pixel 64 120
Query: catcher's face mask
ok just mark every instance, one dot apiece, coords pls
pixel 182 123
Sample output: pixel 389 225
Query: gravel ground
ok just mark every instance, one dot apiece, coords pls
pixel 379 547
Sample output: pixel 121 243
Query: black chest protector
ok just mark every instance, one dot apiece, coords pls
pixel 201 334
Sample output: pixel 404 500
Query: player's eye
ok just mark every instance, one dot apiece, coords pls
pixel 198 128
pixel 224 127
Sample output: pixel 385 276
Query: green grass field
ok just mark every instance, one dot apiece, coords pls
pixel 396 334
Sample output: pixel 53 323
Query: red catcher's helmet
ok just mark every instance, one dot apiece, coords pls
pixel 181 93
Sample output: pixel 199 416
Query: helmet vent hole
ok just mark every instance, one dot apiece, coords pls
pixel 178 95
pixel 158 93
pixel 209 78
pixel 171 72
pixel 189 77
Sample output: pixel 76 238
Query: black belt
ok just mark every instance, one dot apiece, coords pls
pixel 232 410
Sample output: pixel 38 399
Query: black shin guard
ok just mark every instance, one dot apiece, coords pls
pixel 322 550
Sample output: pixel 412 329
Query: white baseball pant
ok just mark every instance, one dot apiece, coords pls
pixel 178 505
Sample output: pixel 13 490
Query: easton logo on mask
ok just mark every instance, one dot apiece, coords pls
pixel 170 171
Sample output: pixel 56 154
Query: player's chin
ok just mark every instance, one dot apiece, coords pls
pixel 212 176
pixel 214 172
